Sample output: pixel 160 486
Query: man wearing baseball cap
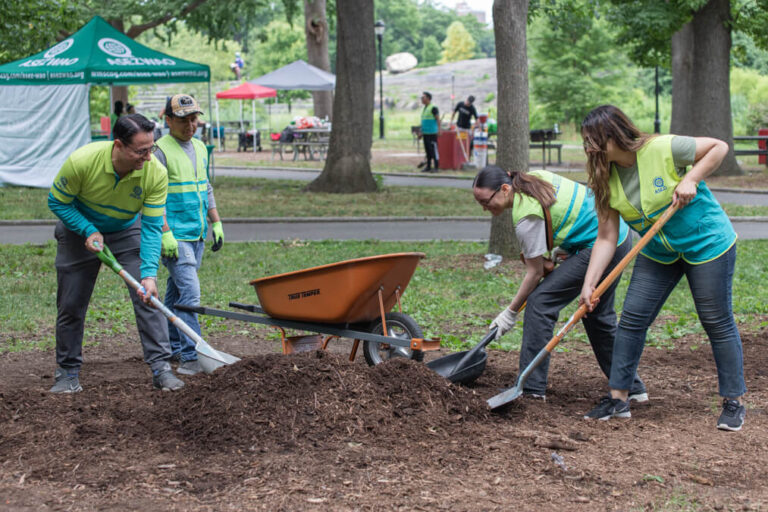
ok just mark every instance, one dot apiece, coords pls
pixel 189 207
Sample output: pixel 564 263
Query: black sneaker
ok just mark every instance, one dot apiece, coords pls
pixel 426 169
pixel 167 381
pixel 732 417
pixel 67 381
pixel 535 396
pixel 609 408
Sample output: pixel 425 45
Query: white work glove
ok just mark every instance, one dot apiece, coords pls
pixel 558 255
pixel 505 322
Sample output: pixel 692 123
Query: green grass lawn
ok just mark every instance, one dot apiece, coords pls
pixel 451 296
pixel 254 197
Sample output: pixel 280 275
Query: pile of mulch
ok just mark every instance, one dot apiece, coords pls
pixel 263 403
pixel 315 398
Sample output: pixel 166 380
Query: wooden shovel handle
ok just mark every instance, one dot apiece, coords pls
pixel 611 277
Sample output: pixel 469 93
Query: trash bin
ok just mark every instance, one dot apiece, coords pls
pixel 449 150
pixel 761 144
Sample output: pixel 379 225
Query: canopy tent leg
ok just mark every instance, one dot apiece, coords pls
pixel 253 109
pixel 210 107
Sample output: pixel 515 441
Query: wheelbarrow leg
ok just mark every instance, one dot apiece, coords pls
pixel 353 353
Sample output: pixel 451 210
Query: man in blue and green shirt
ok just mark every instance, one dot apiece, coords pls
pixel 430 129
pixel 189 206
pixel 98 195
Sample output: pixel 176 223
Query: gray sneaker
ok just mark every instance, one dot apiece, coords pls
pixel 732 417
pixel 189 367
pixel 167 381
pixel 66 381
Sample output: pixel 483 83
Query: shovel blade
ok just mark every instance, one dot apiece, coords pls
pixel 211 359
pixel 505 397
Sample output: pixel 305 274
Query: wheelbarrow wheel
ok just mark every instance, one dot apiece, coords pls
pixel 399 325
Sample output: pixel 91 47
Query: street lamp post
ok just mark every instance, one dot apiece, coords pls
pixel 656 120
pixel 379 27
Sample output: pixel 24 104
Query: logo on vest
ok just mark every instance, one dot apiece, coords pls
pixel 658 183
pixel 136 194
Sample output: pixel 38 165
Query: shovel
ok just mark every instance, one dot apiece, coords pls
pixel 209 357
pixel 514 392
pixel 466 366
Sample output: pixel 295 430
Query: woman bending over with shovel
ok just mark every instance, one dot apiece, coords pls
pixel 549 210
pixel 636 177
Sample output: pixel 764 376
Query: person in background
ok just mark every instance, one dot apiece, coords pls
pixel 430 129
pixel 466 111
pixel 636 177
pixel 116 114
pixel 130 109
pixel 552 215
pixel 189 206
pixel 97 196
pixel 237 66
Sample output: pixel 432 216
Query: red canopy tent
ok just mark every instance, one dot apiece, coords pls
pixel 244 91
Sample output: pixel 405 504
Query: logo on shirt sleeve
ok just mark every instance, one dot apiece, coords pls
pixel 63 182
pixel 658 183
pixel 136 194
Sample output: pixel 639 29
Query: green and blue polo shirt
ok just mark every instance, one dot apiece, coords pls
pixel 88 196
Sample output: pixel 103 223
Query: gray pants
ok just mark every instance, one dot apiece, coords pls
pixel 554 293
pixel 76 272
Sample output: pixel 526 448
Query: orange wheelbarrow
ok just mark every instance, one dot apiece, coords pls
pixel 348 299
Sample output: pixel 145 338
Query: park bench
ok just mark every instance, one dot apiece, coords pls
pixel 543 139
pixel 761 151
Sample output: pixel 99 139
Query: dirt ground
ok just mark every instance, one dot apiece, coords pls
pixel 316 432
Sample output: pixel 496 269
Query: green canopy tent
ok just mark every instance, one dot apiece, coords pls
pixel 44 96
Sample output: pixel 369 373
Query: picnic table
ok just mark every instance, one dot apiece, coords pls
pixel 306 141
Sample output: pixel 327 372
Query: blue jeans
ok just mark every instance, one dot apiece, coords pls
pixel 184 288
pixel 554 293
pixel 710 285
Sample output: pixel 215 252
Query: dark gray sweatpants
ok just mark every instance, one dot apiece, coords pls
pixel 555 292
pixel 76 272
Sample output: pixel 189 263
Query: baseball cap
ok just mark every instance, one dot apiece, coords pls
pixel 182 105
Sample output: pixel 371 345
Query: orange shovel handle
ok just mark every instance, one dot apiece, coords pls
pixel 611 277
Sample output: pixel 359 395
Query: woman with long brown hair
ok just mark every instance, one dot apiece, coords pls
pixel 549 210
pixel 636 177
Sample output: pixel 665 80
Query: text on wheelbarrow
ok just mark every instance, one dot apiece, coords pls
pixel 304 294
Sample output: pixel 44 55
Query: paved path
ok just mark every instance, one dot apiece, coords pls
pixel 415 180
pixel 410 229
pixel 384 228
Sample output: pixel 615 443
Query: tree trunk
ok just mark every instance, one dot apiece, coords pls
pixel 348 166
pixel 316 31
pixel 701 95
pixel 509 27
